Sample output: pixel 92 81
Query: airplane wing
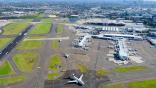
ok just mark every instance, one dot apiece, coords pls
pixel 74 81
pixel 81 77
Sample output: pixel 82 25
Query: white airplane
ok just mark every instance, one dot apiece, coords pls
pixel 66 55
pixel 122 49
pixel 84 41
pixel 60 40
pixel 152 41
pixel 76 80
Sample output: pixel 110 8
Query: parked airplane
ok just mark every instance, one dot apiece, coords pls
pixel 84 41
pixel 152 41
pixel 122 50
pixel 66 55
pixel 76 80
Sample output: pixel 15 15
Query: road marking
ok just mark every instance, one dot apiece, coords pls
pixel 38 39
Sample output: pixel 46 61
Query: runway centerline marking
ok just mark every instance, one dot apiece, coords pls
pixel 39 39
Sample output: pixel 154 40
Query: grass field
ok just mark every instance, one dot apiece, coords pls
pixel 52 76
pixel 54 62
pixel 28 45
pixel 82 68
pixel 136 84
pixel 42 28
pixel 54 44
pixel 129 68
pixel 25 61
pixel 143 84
pixel 59 28
pixel 14 28
pixel 6 81
pixel 4 42
pixel 101 72
pixel 53 65
pixel 5 68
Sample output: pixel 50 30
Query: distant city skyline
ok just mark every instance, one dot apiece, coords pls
pixel 118 1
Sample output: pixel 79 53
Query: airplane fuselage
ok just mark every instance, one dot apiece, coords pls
pixel 79 81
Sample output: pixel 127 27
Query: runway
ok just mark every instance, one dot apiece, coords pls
pixel 39 39
pixel 15 41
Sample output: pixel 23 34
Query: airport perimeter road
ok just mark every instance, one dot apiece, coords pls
pixel 15 41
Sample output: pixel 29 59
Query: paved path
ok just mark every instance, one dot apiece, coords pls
pixel 13 64
pixel 61 38
pixel 45 53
